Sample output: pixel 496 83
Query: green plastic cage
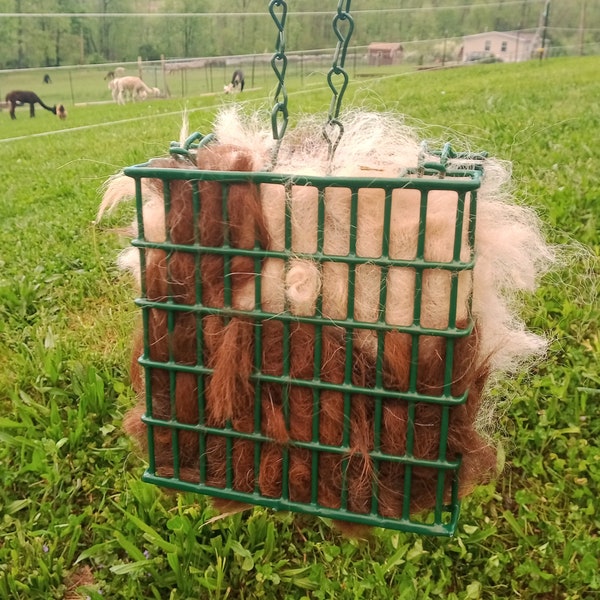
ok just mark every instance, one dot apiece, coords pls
pixel 442 519
pixel 203 455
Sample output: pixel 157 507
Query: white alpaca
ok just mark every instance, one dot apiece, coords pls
pixel 132 88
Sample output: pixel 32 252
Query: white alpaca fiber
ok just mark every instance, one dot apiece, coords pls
pixel 302 286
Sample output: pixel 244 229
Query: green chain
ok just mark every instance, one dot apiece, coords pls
pixel 279 115
pixel 342 19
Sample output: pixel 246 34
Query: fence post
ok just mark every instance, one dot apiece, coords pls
pixel 71 85
pixel 163 64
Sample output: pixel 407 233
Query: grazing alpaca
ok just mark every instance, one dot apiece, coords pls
pixel 130 87
pixel 237 83
pixel 18 98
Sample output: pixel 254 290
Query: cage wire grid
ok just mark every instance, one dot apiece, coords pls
pixel 442 518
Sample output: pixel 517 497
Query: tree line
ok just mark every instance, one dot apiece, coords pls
pixel 46 33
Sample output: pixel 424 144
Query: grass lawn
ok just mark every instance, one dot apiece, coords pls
pixel 75 519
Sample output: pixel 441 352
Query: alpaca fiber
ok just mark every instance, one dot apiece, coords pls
pixel 325 343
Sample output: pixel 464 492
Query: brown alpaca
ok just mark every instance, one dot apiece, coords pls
pixel 19 97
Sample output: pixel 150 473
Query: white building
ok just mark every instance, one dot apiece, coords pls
pixel 507 46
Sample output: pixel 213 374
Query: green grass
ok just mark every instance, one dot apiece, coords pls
pixel 75 520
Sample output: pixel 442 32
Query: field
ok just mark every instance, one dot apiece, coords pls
pixel 77 522
pixel 81 84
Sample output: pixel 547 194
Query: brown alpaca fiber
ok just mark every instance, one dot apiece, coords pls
pixel 174 336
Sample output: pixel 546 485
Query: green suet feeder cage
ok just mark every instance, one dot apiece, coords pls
pixel 286 437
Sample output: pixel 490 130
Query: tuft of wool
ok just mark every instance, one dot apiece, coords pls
pixel 302 287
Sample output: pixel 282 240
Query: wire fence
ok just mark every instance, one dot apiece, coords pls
pixel 191 77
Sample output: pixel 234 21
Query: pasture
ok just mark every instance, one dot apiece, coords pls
pixel 77 522
pixel 83 84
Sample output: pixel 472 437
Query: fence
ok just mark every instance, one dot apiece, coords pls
pixel 178 78
pixel 190 77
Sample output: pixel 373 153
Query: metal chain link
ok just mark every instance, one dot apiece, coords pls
pixel 279 115
pixel 343 27
pixel 334 129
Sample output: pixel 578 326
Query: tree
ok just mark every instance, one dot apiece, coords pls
pixel 148 52
pixel 28 40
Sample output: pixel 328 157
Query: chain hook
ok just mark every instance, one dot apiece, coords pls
pixel 341 20
pixel 279 114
